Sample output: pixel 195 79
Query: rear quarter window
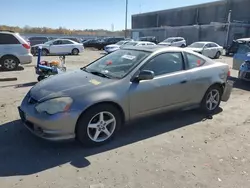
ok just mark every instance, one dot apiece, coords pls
pixel 194 61
pixel 8 39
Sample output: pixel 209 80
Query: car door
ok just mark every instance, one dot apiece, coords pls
pixel 56 47
pixel 167 90
pixel 207 50
pixel 199 77
pixel 67 46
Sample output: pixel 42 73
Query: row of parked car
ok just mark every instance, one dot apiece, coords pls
pixel 209 49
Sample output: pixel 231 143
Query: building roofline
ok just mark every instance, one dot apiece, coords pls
pixel 183 8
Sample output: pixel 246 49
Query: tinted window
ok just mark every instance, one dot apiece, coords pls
pixel 165 63
pixel 66 42
pixel 38 38
pixel 58 42
pixel 8 39
pixel 194 61
pixel 213 45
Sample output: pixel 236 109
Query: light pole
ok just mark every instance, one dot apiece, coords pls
pixel 228 26
pixel 126 19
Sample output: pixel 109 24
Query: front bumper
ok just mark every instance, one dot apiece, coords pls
pixel 227 91
pixel 55 127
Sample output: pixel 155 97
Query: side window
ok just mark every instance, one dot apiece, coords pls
pixel 58 42
pixel 165 63
pixel 8 39
pixel 66 42
pixel 213 45
pixel 150 44
pixel 194 61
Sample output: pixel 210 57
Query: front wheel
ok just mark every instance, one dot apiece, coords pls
pixel 75 51
pixel 98 125
pixel 211 100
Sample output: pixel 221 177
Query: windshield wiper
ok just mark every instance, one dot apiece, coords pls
pixel 97 73
pixel 100 74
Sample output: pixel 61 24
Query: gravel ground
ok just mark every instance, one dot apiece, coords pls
pixel 178 150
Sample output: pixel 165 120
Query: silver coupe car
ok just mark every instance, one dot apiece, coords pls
pixel 92 103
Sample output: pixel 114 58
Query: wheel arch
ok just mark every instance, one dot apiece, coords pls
pixel 116 105
pixel 9 55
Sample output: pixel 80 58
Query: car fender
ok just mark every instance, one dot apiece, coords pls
pixel 89 100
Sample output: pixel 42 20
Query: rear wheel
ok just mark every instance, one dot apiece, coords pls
pixel 183 45
pixel 217 55
pixel 211 100
pixel 98 125
pixel 9 63
pixel 75 51
pixel 45 52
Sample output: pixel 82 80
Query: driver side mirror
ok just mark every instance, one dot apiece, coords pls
pixel 144 75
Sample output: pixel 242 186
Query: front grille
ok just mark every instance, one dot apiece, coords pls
pixel 247 76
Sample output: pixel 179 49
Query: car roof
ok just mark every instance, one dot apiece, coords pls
pixel 153 48
pixel 244 39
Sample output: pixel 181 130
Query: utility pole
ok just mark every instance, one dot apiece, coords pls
pixel 228 26
pixel 126 19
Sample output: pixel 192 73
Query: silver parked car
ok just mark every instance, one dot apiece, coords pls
pixel 59 46
pixel 92 103
pixel 14 50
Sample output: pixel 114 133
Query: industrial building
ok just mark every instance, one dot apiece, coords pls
pixel 204 22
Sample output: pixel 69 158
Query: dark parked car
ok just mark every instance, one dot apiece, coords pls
pixel 91 42
pixel 107 41
pixel 149 39
pixel 38 40
pixel 233 48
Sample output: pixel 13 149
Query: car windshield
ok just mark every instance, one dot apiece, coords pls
pixel 120 43
pixel 130 44
pixel 169 40
pixel 197 45
pixel 117 64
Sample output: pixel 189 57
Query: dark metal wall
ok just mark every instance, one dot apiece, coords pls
pixel 199 14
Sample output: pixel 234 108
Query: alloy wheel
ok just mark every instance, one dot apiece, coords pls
pixel 213 99
pixel 101 126
pixel 9 64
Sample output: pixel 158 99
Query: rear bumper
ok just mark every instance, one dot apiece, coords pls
pixel 227 91
pixel 25 59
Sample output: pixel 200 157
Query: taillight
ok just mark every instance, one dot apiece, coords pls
pixel 27 46
pixel 229 73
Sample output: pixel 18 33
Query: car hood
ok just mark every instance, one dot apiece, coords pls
pixel 194 49
pixel 165 43
pixel 112 46
pixel 71 84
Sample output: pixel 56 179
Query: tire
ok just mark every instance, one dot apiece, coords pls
pixel 183 46
pixel 75 51
pixel 86 135
pixel 45 52
pixel 205 105
pixel 217 55
pixel 9 63
pixel 40 78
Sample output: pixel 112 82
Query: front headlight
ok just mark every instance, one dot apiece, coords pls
pixel 55 105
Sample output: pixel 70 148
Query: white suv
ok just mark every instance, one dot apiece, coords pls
pixel 174 41
pixel 14 50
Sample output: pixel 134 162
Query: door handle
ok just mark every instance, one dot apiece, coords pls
pixel 183 82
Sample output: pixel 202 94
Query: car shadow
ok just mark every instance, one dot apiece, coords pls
pixel 29 84
pixel 19 68
pixel 240 84
pixel 21 153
